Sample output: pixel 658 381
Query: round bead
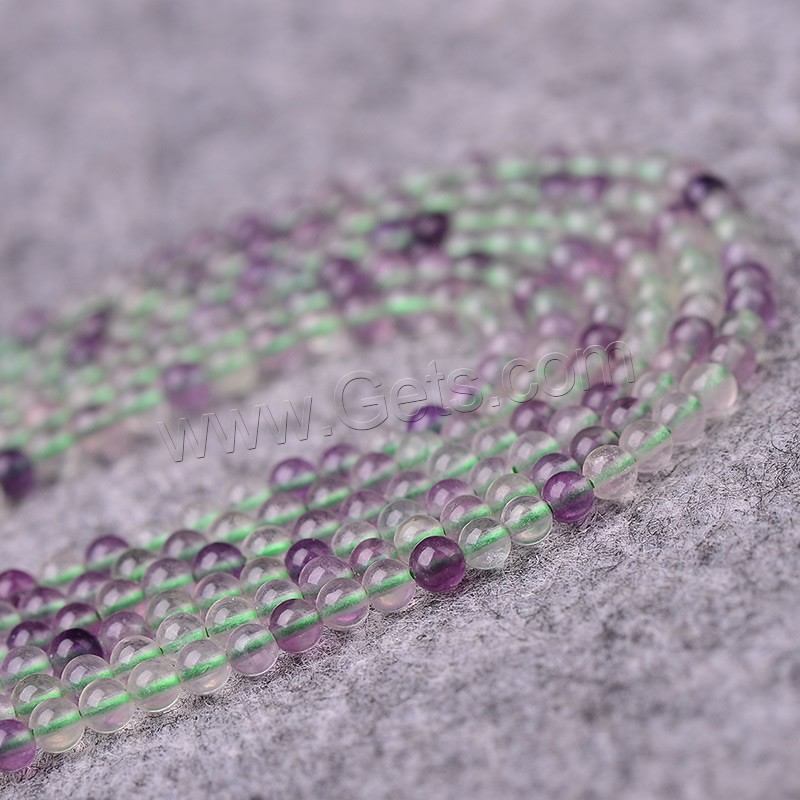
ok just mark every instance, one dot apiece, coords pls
pixel 70 644
pixel 22 661
pixel 226 615
pixel 165 574
pixel 132 564
pixel 175 632
pixel 57 725
pixel 461 510
pixel 486 471
pixel 528 520
pixel 105 705
pixel 130 652
pixel 317 572
pixel 649 442
pixel 251 649
pixel 184 544
pixel 368 552
pixel 569 495
pixel 202 667
pixel 411 532
pixel 437 564
pixel 683 414
pixel 81 671
pixel 214 587
pixel 389 585
pixel 31 691
pixel 529 448
pixel 316 524
pixel 342 604
pixel 269 541
pixel 350 534
pixel 566 422
pixel 549 465
pixel 612 472
pixel 260 570
pixel 296 625
pixel 103 552
pixel 485 543
pixel 119 594
pixel 715 386
pixel 507 487
pixel 154 685
pixel 395 513
pixel 442 492
pixel 303 551
pixel 217 557
pixel 17 747
pixel 272 594
pixel 118 626
pixel 583 442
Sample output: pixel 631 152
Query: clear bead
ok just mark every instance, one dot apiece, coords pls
pixel 714 384
pixel 57 725
pixel 131 651
pixel 226 615
pixel 350 534
pixel 485 543
pixel 32 690
pixel 612 471
pixel 342 604
pixel 105 705
pixel 529 448
pixel 202 667
pixel 177 631
pixel 411 532
pixel 259 571
pixel 269 541
pixel 527 519
pixel 272 594
pixel 81 671
pixel 683 414
pixel 165 604
pixel 507 487
pixel 251 649
pixel 389 584
pixel 649 442
pixel 154 685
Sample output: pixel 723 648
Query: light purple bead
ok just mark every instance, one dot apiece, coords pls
pixel 694 334
pixel 408 484
pixel 599 334
pixel 187 388
pixel 618 414
pixel 364 504
pixel 84 588
pixel 293 475
pixel 754 298
pixel 31 324
pixel 532 415
pixel 368 552
pixel 184 544
pixel 77 615
pixel 738 356
pixel 583 442
pixel 317 572
pixel 118 626
pixel 442 492
pixel 338 460
pixel 17 747
pixel 303 551
pixel 750 273
pixel 597 397
pixel 70 644
pixel 296 625
pixel 569 495
pixel 437 564
pixel 36 632
pixel 41 603
pixel 217 557
pixel 372 471
pixel 281 508
pixel 316 524
pixel 428 418
pixel 549 465
pixel 103 551
pixel 14 583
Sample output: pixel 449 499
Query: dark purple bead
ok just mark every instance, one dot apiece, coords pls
pixel 338 460
pixel 431 228
pixel 17 747
pixel 217 557
pixel 694 334
pixel 758 299
pixel 583 442
pixel 364 504
pixel 70 644
pixel 187 388
pixel 701 187
pixel 316 524
pixel 532 415
pixel 17 477
pixel 303 551
pixel 621 412
pixel 569 495
pixel 442 492
pixel 428 418
pixel 102 552
pixel 36 632
pixel 14 583
pixel 549 465
pixel 368 552
pixel 437 564
pixel 597 397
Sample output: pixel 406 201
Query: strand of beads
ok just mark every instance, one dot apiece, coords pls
pixel 325 541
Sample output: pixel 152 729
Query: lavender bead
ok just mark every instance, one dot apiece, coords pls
pixel 14 583
pixel 368 552
pixel 34 632
pixel 118 626
pixel 597 397
pixel 441 493
pixel 296 625
pixel 85 587
pixel 70 644
pixel 338 460
pixel 17 747
pixel 428 418
pixel 437 564
pixel 532 415
pixel 17 478
pixel 363 504
pixel 317 524
pixel 694 334
pixel 569 496
pixel 293 475
pixel 303 551
pixel 550 465
pixel 103 552
pixel 618 414
pixel 184 544
pixel 583 442
pixel 217 557
pixel 187 388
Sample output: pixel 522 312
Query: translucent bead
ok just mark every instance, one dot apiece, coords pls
pixel 17 747
pixel 217 557
pixel 251 649
pixel 683 414
pixel 461 510
pixel 612 472
pixel 202 667
pixel 184 544
pixel 132 651
pixel 132 564
pixel 22 661
pixel 226 615
pixel 105 705
pixel 649 442
pixel 165 604
pixel 437 564
pixel 303 551
pixel 549 465
pixel 34 632
pixel 566 422
pixel 77 615
pixel 175 632
pixel 293 475
pixel 81 671
pixel 119 594
pixel 282 508
pixel 528 520
pixel 272 594
pixel 118 626
pixel 296 625
pixel 442 492
pixel 317 524
pixel 485 471
pixel 350 534
pixel 316 573
pixel 368 552
pixel 505 488
pixel 715 386
pixel 32 690
pixel 214 587
pixel 587 440
pixel 408 484
pixel 570 497
pixel 389 585
pixel 529 448
pixel 415 448
pixel 57 725
pixel 342 604
pixel 738 356
pixel 164 574
pixel 70 644
pixel 327 493
pixel 364 504
pixel 494 440
pixel 485 543
pixel 40 603
pixel 154 685
pixel 451 460
pixel 411 532
pixel 6 707
pixel 269 541
pixel 395 513
pixel 260 570
pixel 619 413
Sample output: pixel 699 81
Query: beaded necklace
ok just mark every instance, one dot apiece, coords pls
pixel 648 263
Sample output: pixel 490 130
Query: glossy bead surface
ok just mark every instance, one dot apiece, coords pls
pixel 70 644
pixel 714 385
pixel 612 472
pixel 17 747
pixel 317 572
pixel 303 551
pixel 528 520
pixel 251 649
pixel 31 691
pixel 412 531
pixel 175 632
pixel 81 671
pixel 389 585
pixel 485 543
pixel 683 414
pixel 202 667
pixel 650 443
pixel 369 552
pixel 342 604
pixel 57 725
pixel 154 685
pixel 569 496
pixel 226 615
pixel 105 705
pixel 437 564
pixel 296 625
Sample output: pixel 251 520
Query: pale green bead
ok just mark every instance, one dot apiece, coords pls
pixel 527 519
pixel 154 685
pixel 57 725
pixel 485 543
pixel 649 442
pixel 714 384
pixel 105 705
pixel 612 472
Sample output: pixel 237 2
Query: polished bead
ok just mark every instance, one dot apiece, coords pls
pixel 485 543
pixel 105 705
pixel 17 477
pixel 77 615
pixel 19 662
pixel 184 544
pixel 412 531
pixel 363 504
pixel 258 571
pixel 226 615
pixel 70 644
pixel 587 440
pixel 270 541
pixel 532 415
pixel 394 514
pixel 251 649
pixel 612 472
pixel 527 519
pixel 32 690
pixel 273 593
pixel 202 667
pixel 57 725
pixel 175 632
pixel 683 414
pixel 296 625
pixel 570 497
pixel 165 604
pixel 17 747
pixel 119 594
pixel 293 475
pixel 154 685
pixel 529 448
pixel 443 492
pixel 485 472
pixel 317 572
pixel 350 534
pixel 461 510
pixel 368 552
pixel 737 355
pixel 303 551
pixel 714 385
pixel 505 488
pixel 316 524
pixel 130 651
pixel 437 564
pixel 104 551
pixel 40 603
pixel 342 604
pixel 14 583
pixel 166 574
pixel 389 585
pixel 118 626
pixel 650 443
pixel 232 527
pixel 217 557
pixel 35 632
pixel 81 671
pixel 132 563
pixel 549 465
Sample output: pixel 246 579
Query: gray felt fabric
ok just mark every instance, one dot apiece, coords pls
pixel 652 654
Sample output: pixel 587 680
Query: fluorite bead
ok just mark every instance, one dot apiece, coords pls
pixel 437 564
pixel 187 388
pixel 531 415
pixel 17 747
pixel 317 524
pixel 130 651
pixel 566 422
pixel 737 355
pixel 485 472
pixel 485 543
pixel 175 632
pixel 589 439
pixel 85 587
pixel 682 414
pixel 217 557
pixel 649 442
pixel 293 475
pixel 259 571
pixel 350 534
pixel 103 552
pixel 527 519
pixel 232 527
pixel 251 649
pixel 119 594
pixel 226 615
pixel 303 551
pixel 714 385
pixel 32 690
pixel 119 625
pixel 412 531
pixel 42 602
pixel 389 585
pixel 296 625
pixel 451 461
pixel 77 615
pixel 202 667
pixel 273 593
pixel 184 544
pixel 569 495
pixel 105 705
pixel 154 685
pixel 166 574
pixel 81 671
pixel 364 504
pixel 14 583
pixel 35 632
pixel 270 541
pixel 408 485
pixel 612 472
pixel 22 661
pixel 317 572
pixel 338 460
pixel 214 587
pixel 9 617
pixel 165 604
pixel 505 488
pixel 619 413
pixel 70 644
pixel 549 465
pixel 342 604
pixel 529 448
pixel 368 552
pixel 461 510
pixel 57 725
pixel 17 478
pixel 132 563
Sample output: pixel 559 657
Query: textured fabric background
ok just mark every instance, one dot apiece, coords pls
pixel 652 654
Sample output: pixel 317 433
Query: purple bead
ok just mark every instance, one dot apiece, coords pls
pixel 103 551
pixel 430 229
pixel 599 334
pixel 14 583
pixel 428 418
pixel 692 333
pixel 17 747
pixel 316 524
pixel 88 339
pixel 296 625
pixel 372 470
pixel 532 415
pixel 70 644
pixel 442 492
pixel 750 273
pixel 293 475
pixel 569 495
pixel 368 552
pixel 35 632
pixel 217 557
pixel 364 504
pixel 701 187
pixel 583 442
pixel 281 508
pixel 41 603
pixel 17 477
pixel 437 564
pixel 303 551
pixel 597 397
pixel 338 460
pixel 118 626
pixel 245 229
pixel 186 388
pixel 550 465
pixel 738 356
pixel 754 298
pixel 620 413
pixel 343 279
pixel 84 587
pixel 184 544
pixel 408 484
pixel 78 615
